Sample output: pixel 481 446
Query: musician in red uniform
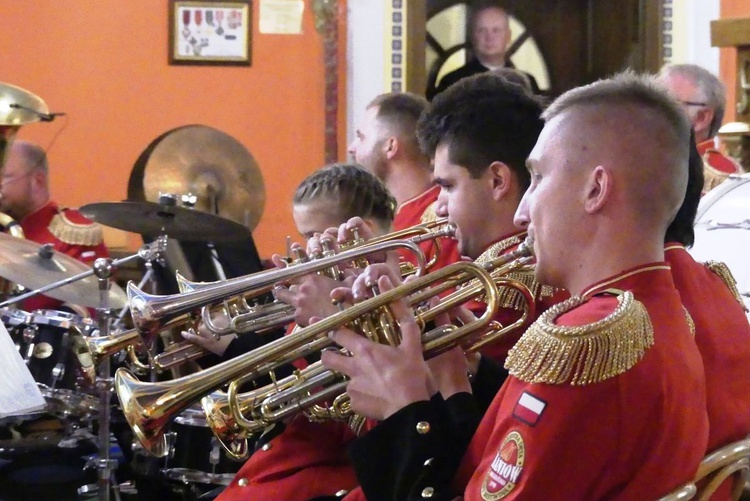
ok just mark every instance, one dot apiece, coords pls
pixel 703 98
pixel 386 144
pixel 580 417
pixel 709 293
pixel 25 196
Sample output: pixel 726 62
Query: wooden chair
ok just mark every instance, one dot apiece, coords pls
pixel 730 460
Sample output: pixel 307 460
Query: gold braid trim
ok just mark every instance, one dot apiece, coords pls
pixel 712 177
pixel 722 271
pixel 689 319
pixel 430 213
pixel 72 233
pixel 554 354
pixel 509 296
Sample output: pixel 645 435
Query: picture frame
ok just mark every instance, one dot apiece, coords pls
pixel 210 32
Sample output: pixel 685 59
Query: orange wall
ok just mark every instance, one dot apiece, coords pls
pixel 727 61
pixel 105 65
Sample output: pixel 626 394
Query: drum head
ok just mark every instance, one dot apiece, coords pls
pixel 722 230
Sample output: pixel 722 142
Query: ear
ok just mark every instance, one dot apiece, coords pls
pixel 598 189
pixel 500 179
pixel 703 119
pixel 391 147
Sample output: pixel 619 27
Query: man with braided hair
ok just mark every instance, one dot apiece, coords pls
pixel 605 388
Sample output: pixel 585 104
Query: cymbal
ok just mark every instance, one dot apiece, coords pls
pixel 21 263
pixel 207 163
pixel 152 219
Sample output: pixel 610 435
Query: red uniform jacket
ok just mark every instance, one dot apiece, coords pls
pixel 636 435
pixel 70 233
pixel 307 460
pixel 722 334
pixel 420 210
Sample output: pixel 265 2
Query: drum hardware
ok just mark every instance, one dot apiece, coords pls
pixel 715 225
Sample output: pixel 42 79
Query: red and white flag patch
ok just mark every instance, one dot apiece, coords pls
pixel 529 408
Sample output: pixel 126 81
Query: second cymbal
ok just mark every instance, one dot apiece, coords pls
pixel 152 219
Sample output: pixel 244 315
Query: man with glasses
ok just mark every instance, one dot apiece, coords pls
pixel 25 196
pixel 703 97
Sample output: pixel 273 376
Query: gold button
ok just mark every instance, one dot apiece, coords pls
pixel 423 427
pixel 427 492
pixel 242 482
pixel 341 493
pixel 266 446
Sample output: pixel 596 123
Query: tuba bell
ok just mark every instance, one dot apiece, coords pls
pixel 17 107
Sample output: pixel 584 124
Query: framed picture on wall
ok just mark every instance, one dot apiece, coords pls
pixel 210 32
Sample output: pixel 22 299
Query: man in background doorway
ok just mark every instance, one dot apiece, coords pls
pixel 489 29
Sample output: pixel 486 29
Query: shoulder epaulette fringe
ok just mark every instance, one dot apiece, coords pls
pixel 712 177
pixel 722 271
pixel 73 233
pixel 430 213
pixel 586 354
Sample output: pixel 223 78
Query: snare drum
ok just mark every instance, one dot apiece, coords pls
pixel 722 230
pixel 43 338
pixel 195 454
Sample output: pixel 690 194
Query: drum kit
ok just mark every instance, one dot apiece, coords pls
pixel 721 230
pixel 77 417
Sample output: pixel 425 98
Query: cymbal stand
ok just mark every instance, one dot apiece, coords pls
pixel 47 253
pixel 104 464
pixel 151 252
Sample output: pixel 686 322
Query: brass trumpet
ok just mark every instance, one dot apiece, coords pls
pixel 245 318
pixel 149 407
pixel 301 392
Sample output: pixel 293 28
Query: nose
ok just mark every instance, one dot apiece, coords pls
pixel 350 149
pixel 522 219
pixel 441 205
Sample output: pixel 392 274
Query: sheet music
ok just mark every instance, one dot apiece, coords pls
pixel 19 393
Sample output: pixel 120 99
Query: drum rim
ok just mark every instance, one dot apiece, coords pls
pixel 198 476
pixel 716 194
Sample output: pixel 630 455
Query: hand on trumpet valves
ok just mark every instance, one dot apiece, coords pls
pixel 205 338
pixel 309 295
pixel 355 228
pixel 365 285
pixel 382 378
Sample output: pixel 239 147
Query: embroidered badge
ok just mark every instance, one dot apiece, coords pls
pixel 505 469
pixel 529 409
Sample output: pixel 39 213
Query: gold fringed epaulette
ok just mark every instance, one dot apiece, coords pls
pixel 555 354
pixel 712 177
pixel 722 271
pixel 430 213
pixel 72 233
